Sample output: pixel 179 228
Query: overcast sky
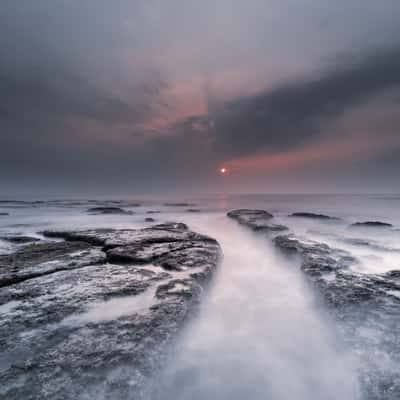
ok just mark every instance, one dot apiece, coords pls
pixel 154 96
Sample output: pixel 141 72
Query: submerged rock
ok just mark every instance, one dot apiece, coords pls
pixel 313 216
pixel 103 327
pixel 371 224
pixel 108 210
pixel 257 220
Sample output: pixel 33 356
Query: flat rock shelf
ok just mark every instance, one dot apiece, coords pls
pixel 89 314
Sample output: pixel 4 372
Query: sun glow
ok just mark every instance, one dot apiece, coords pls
pixel 223 170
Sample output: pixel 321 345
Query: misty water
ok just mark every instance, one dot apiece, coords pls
pixel 262 331
pixel 260 334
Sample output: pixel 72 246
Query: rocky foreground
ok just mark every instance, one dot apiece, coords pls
pixel 366 307
pixel 90 314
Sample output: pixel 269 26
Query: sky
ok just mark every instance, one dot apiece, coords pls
pixel 155 96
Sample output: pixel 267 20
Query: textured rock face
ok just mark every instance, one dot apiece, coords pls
pixel 366 308
pixel 257 220
pixel 100 326
pixel 45 258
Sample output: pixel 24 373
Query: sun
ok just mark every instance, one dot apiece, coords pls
pixel 223 170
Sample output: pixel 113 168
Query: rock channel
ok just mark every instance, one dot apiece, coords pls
pixel 365 307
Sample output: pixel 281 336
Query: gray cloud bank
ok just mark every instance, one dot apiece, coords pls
pixel 82 83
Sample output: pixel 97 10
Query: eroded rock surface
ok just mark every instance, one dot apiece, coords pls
pixel 100 329
pixel 35 260
pixel 366 308
pixel 257 220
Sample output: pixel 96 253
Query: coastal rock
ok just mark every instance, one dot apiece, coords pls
pixel 313 216
pixel 179 204
pixel 35 260
pixel 371 224
pixel 108 210
pixel 3 214
pixel 365 307
pixel 257 220
pixel 20 239
pixel 149 219
pixel 103 329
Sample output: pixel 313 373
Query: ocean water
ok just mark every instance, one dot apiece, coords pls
pixel 261 332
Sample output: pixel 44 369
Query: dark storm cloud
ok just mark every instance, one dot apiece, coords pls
pixel 290 115
pixel 59 95
pixel 143 91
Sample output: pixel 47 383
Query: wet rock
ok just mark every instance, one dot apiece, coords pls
pixel 20 239
pixel 193 210
pixel 35 260
pixel 371 224
pixel 257 220
pixel 102 329
pixel 149 219
pixel 365 307
pixel 313 216
pixel 108 210
pixel 244 214
pixel 3 214
pixel 179 204
pixel 153 212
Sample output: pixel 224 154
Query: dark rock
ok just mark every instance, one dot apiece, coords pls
pixel 149 219
pixel 153 212
pixel 20 239
pixel 109 210
pixel 258 220
pixel 312 216
pixel 178 204
pixel 35 260
pixel 3 214
pixel 193 210
pixel 371 224
pixel 101 329
pixel 246 213
pixel 365 307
